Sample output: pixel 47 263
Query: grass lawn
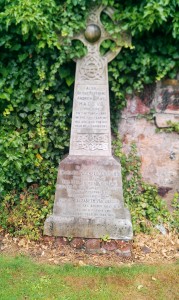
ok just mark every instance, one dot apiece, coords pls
pixel 20 278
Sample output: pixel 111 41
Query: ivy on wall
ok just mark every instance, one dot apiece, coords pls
pixel 37 74
pixel 147 208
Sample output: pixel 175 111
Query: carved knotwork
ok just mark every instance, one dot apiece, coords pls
pixel 92 68
pixel 91 142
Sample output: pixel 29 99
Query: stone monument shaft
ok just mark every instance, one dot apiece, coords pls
pixel 91 132
pixel 89 197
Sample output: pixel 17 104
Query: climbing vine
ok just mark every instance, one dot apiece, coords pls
pixel 172 127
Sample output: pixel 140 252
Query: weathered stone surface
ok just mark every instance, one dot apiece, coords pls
pixel 49 239
pixel 166 97
pixel 135 107
pixel 61 241
pixel 163 120
pixel 146 249
pixel 89 197
pixel 163 190
pixel 124 245
pixel 159 153
pixel 93 246
pixel 110 245
pixel 77 243
pixel 124 253
pixel 89 200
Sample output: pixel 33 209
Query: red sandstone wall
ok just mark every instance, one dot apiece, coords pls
pixel 159 151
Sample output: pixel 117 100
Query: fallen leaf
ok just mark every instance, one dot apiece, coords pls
pixel 154 279
pixel 140 286
pixel 81 263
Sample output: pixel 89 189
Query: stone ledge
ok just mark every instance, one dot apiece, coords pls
pixel 120 229
pixel 162 119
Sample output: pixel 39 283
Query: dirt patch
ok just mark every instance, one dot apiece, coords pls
pixel 78 283
pixel 160 249
pixel 117 281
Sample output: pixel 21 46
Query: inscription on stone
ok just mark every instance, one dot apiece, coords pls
pixel 89 197
pixel 94 191
pixel 91 131
pixel 90 112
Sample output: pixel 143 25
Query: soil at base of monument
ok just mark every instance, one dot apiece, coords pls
pixel 156 248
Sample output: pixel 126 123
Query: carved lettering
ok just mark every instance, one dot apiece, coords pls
pixel 95 192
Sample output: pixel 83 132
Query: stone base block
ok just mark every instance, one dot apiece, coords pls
pixel 89 200
pixel 91 228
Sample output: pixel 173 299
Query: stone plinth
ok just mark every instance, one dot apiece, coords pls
pixel 89 200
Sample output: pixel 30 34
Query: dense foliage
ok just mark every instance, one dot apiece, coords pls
pixel 37 76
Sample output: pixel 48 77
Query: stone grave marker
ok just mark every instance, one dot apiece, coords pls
pixel 89 195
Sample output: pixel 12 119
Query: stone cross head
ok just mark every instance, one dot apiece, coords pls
pixel 95 34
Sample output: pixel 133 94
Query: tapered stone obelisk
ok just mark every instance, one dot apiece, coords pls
pixel 89 196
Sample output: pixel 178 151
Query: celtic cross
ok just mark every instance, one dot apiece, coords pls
pixel 90 133
pixel 89 196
